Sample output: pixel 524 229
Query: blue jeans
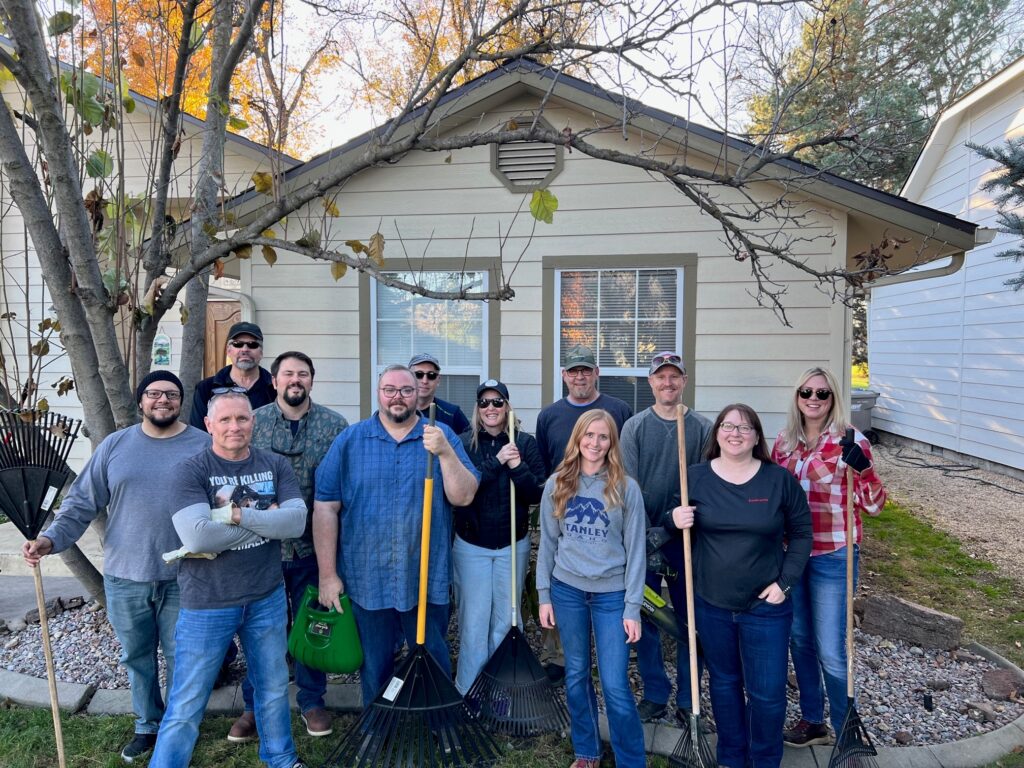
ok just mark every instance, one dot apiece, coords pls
pixel 818 643
pixel 485 615
pixel 745 651
pixel 311 683
pixel 379 631
pixel 203 636
pixel 576 614
pixel 649 661
pixel 143 614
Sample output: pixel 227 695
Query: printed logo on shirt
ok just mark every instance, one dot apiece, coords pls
pixel 757 501
pixel 253 491
pixel 582 515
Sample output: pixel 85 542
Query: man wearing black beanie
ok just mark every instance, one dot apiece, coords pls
pixel 130 474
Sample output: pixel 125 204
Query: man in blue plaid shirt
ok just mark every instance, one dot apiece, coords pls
pixel 367 523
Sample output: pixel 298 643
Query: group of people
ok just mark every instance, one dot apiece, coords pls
pixel 200 516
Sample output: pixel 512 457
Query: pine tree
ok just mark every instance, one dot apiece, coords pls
pixel 1009 186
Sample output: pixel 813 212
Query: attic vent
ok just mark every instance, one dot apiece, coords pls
pixel 526 165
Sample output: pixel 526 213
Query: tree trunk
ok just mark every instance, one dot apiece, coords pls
pixel 86 573
pixel 193 338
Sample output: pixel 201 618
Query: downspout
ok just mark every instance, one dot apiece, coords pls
pixel 982 236
pixel 247 302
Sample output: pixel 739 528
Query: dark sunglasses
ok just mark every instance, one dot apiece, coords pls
pixel 669 359
pixel 246 344
pixel 497 402
pixel 431 375
pixel 823 394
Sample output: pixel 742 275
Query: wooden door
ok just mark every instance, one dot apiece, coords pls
pixel 220 316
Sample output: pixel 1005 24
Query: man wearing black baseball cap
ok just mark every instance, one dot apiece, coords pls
pixel 245 351
pixel 427 371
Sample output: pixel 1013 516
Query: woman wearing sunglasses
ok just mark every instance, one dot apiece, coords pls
pixel 744 507
pixel 814 449
pixel 482 552
pixel 590 580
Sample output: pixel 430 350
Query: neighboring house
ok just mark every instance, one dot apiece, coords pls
pixel 25 295
pixel 947 354
pixel 629 265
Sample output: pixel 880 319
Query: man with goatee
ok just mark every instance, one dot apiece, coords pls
pixel 302 431
pixel 130 475
pixel 367 521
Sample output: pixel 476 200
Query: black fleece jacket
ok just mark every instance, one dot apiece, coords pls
pixel 485 522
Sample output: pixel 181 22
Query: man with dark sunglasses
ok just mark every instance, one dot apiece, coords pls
pixel 302 431
pixel 245 351
pixel 427 371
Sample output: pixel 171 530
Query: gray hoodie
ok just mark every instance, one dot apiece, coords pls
pixel 593 548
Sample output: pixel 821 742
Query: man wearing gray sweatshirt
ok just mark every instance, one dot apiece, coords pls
pixel 235 505
pixel 130 474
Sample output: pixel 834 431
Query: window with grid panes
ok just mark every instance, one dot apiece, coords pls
pixel 625 316
pixel 454 332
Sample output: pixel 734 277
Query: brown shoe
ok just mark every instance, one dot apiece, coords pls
pixel 317 722
pixel 243 729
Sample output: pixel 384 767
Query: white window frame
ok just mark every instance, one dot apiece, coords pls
pixel 640 372
pixel 456 370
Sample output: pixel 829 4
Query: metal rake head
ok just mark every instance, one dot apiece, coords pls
pixel 853 747
pixel 693 750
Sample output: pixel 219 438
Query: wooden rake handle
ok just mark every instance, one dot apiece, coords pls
pixel 512 524
pixel 850 533
pixel 51 675
pixel 691 624
pixel 428 501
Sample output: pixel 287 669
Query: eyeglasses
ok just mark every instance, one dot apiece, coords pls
pixel 246 344
pixel 743 429
pixel 225 390
pixel 392 392
pixel 497 402
pixel 156 394
pixel 581 371
pixel 431 375
pixel 669 359
pixel 823 394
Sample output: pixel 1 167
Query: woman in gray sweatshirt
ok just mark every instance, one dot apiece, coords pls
pixel 590 578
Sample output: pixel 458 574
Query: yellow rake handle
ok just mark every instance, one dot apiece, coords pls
pixel 428 501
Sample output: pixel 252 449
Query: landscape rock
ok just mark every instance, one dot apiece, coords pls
pixel 54 608
pixel 988 712
pixel 900 619
pixel 902 738
pixel 1001 684
pixel 938 684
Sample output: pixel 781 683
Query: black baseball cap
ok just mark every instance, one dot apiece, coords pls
pixel 494 384
pixel 250 328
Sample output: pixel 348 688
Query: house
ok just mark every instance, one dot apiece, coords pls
pixel 24 300
pixel 947 355
pixel 628 266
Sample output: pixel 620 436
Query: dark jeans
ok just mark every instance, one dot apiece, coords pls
pixel 311 683
pixel 746 651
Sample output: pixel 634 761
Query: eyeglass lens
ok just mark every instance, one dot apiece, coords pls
pixel 497 402
pixel 393 391
pixel 225 390
pixel 744 429
pixel 431 375
pixel 822 394
pixel 662 359
pixel 246 344
pixel 156 394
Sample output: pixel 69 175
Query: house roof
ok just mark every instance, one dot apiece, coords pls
pixel 188 119
pixel 949 121
pixel 529 76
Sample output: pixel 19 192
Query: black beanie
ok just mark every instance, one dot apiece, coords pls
pixel 157 376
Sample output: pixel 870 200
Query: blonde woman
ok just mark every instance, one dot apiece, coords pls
pixel 590 579
pixel 482 553
pixel 814 448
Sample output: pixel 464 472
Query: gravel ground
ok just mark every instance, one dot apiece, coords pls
pixel 982 509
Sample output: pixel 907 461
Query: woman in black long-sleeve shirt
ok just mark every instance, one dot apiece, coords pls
pixel 482 553
pixel 752 539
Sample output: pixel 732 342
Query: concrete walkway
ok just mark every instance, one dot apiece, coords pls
pixel 17 595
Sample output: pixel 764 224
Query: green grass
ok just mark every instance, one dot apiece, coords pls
pixel 859 373
pixel 907 556
pixel 26 741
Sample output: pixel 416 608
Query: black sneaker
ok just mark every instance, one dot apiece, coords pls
pixel 804 734
pixel 650 711
pixel 683 720
pixel 138 746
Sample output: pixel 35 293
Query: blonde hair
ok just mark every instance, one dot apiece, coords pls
pixel 476 425
pixel 567 473
pixel 838 418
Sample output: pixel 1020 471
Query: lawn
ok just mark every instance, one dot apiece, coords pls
pixel 859 375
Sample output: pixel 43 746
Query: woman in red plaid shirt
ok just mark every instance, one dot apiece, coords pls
pixel 814 449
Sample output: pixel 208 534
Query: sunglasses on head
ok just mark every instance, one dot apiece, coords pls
pixel 246 344
pixel 497 402
pixel 225 390
pixel 431 375
pixel 822 394
pixel 670 359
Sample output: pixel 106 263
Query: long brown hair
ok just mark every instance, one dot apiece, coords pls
pixel 761 452
pixel 567 474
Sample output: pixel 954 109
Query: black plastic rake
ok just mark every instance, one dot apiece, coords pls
pixel 34 448
pixel 513 695
pixel 418 718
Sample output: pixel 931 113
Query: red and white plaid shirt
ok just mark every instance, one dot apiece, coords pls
pixel 822 474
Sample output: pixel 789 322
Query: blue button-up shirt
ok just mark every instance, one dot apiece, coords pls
pixel 379 483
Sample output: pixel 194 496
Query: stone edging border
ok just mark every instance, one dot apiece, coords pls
pixel 660 739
